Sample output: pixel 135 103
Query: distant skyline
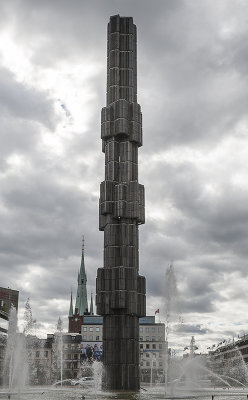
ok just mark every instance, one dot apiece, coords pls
pixel 192 88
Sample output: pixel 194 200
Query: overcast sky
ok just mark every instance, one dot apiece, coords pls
pixel 192 88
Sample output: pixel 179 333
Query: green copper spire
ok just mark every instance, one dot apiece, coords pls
pixel 71 307
pixel 91 305
pixel 81 300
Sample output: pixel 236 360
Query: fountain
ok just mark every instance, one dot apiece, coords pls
pixel 194 374
pixel 15 365
pixel 171 310
pixel 121 211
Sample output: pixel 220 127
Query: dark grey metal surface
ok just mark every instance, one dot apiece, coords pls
pixel 121 290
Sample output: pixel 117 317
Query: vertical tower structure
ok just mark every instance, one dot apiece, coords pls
pixel 120 289
pixel 81 299
pixel 81 306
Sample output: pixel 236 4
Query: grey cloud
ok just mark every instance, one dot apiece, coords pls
pixel 192 90
pixel 192 329
pixel 19 101
pixel 200 304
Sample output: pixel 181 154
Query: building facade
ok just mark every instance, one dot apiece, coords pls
pixel 8 298
pixel 3 340
pixel 39 357
pixel 152 345
pixel 71 345
pixel 153 349
pixel 231 359
pixel 229 351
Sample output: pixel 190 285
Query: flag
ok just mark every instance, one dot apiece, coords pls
pixel 157 311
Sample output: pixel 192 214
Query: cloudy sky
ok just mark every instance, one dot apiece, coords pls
pixel 192 87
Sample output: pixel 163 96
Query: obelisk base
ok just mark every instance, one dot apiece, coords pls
pixel 120 353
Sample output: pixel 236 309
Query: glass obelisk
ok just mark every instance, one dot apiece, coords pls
pixel 121 290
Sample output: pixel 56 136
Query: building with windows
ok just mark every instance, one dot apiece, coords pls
pixel 8 298
pixel 230 358
pixel 227 351
pixel 151 342
pixel 3 339
pixel 39 357
pixel 92 328
pixel 71 344
pixel 152 350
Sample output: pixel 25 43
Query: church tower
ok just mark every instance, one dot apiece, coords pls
pixel 81 306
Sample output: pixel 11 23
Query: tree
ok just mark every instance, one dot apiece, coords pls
pixel 28 318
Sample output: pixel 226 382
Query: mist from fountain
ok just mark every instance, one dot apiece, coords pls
pixel 15 362
pixel 191 374
pixel 185 377
pixel 171 312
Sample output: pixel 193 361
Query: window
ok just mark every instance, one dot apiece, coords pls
pixel 147 355
pixel 46 353
pixel 154 346
pixel 37 354
pixel 160 364
pixel 159 329
pixel 75 356
pixel 147 330
pixel 141 346
pixel 84 337
pixel 91 337
pixel 147 346
pixel 153 329
pixel 148 363
pixel 160 354
pixel 141 338
pixel 141 329
pixel 147 338
pixel 153 338
pixel 97 338
pixel 141 364
pixel 85 329
pixel 160 346
pixel 154 364
pixel 91 329
pixel 97 329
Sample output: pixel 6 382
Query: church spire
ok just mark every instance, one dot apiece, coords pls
pixel 82 301
pixel 71 307
pixel 81 304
